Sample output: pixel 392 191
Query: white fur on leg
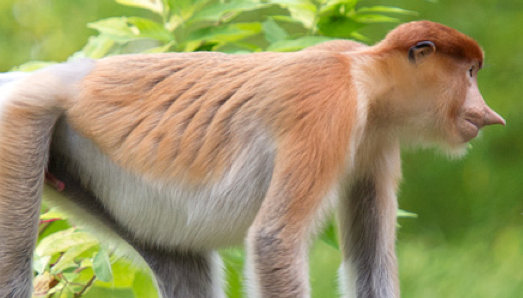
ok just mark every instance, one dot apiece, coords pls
pixel 217 268
pixel 252 285
pixel 347 280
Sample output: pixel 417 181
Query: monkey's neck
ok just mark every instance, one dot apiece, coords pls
pixel 377 85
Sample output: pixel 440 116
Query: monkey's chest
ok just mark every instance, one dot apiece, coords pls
pixel 174 214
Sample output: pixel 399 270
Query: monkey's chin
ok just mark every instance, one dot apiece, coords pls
pixel 458 146
pixel 455 151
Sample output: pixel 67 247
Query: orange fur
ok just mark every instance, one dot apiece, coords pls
pixel 448 41
pixel 191 121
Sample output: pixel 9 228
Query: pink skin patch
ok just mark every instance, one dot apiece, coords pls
pixel 54 182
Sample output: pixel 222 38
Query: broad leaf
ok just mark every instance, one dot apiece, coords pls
pixel 330 236
pixel 123 29
pixel 155 6
pixel 185 9
pixel 296 44
pixel 216 12
pixel 339 26
pixel 102 266
pixel 302 10
pixel 374 18
pixel 348 3
pixel 287 19
pixel 338 6
pixel 150 29
pixel 96 47
pixel 40 263
pixel 117 28
pixel 63 241
pixel 68 258
pixel 32 65
pixel 143 285
pixel 387 9
pixel 52 214
pixel 160 49
pixel 226 33
pixel 273 32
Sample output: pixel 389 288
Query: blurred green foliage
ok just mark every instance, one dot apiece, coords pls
pixel 468 238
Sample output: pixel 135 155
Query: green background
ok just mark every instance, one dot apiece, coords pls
pixel 468 238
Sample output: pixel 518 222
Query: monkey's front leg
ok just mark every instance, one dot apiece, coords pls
pixel 277 243
pixel 277 257
pixel 367 216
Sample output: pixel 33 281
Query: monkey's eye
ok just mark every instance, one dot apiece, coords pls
pixel 471 71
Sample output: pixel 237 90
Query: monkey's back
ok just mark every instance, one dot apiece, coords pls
pixel 195 134
pixel 192 113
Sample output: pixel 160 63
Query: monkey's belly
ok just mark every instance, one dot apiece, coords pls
pixel 175 214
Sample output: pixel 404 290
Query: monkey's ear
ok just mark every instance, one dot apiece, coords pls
pixel 421 50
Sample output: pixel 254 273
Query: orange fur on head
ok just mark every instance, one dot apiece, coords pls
pixel 447 40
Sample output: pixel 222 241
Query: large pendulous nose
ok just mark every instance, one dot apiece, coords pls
pixel 492 117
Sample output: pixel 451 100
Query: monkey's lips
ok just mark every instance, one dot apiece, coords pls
pixel 469 128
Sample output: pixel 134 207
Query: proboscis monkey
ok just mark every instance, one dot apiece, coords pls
pixel 182 154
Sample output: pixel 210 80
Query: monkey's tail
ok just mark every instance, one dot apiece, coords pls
pixel 30 104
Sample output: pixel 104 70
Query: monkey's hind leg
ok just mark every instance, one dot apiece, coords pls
pixel 186 274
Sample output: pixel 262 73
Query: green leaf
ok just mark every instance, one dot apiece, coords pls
pixel 102 266
pixel 185 9
pixel 226 33
pixel 273 32
pixel 123 273
pixel 40 263
pixel 296 44
pixel 374 18
pixel 155 6
pixel 302 10
pixel 330 236
pixel 387 9
pixel 406 214
pixel 143 285
pixel 96 47
pixel 160 49
pixel 32 65
pixel 123 29
pixel 116 28
pixel 234 256
pixel 233 261
pixel 287 19
pixel 52 214
pixel 68 258
pixel 349 4
pixel 338 26
pixel 63 241
pixel 150 29
pixel 337 7
pixel 216 12
pixel 174 22
pixel 357 36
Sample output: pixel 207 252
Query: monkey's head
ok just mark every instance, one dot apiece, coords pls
pixel 437 69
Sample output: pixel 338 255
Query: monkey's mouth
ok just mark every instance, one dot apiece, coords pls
pixel 469 128
pixel 477 122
